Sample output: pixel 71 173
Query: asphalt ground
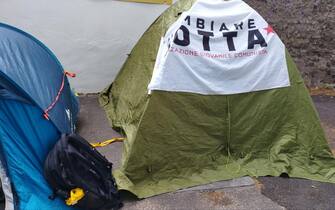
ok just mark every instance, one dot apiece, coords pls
pixel 263 193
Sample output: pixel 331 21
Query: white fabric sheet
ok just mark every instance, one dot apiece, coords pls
pixel 211 66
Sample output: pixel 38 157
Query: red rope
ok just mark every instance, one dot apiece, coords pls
pixel 46 111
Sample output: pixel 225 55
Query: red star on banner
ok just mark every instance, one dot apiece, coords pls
pixel 269 30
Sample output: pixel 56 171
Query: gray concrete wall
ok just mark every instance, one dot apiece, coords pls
pixel 307 27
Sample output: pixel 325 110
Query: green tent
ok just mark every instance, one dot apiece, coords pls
pixel 177 138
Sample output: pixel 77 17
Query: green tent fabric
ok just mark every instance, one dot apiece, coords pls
pixel 177 139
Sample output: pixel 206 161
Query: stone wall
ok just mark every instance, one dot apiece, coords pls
pixel 307 27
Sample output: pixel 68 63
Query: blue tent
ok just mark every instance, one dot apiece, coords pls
pixel 36 106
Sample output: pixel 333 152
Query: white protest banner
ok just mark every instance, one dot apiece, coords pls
pixel 220 47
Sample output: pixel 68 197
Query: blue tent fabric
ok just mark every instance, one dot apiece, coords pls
pixel 8 91
pixel 35 70
pixel 30 79
pixel 25 142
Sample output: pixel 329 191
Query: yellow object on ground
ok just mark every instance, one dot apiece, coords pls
pixel 107 142
pixel 75 195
